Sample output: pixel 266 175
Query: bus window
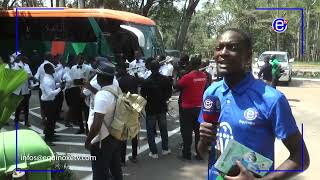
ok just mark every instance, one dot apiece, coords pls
pixel 123 42
pixel 153 41
pixel 78 30
pixel 7 31
pixel 50 29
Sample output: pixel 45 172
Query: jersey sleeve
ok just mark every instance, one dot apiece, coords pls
pixel 283 122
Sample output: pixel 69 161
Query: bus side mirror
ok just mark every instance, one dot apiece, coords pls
pixel 291 60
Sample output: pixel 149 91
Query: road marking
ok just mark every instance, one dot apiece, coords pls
pixel 72 154
pixel 35 114
pixel 61 127
pixel 75 144
pixel 140 150
pixel 157 139
pixel 34 128
pixel 34 108
pixel 68 143
pixel 81 168
pixel 71 135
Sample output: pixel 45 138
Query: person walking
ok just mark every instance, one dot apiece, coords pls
pixel 99 142
pixel 192 85
pixel 156 89
pixel 265 72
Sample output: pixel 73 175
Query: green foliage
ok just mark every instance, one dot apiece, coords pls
pixel 10 80
pixel 167 18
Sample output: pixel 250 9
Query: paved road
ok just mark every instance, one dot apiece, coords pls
pixel 303 98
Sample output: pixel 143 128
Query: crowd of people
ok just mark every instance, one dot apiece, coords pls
pixel 252 112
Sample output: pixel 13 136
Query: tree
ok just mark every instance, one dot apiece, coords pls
pixel 185 21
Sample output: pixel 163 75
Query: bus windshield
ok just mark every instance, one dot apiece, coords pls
pixel 153 41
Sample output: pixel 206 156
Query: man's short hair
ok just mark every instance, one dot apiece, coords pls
pixel 184 57
pixel 267 59
pixel 247 39
pixel 195 62
pixel 154 66
pixel 47 67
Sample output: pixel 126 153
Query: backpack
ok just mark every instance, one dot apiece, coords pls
pixel 125 124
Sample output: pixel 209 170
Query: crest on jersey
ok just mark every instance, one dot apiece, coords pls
pixel 250 114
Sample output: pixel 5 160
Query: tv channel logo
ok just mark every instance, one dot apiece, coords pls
pixel 279 25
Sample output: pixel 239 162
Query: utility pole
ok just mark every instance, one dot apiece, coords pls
pixel 278 46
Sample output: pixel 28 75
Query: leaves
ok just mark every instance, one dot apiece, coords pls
pixel 10 80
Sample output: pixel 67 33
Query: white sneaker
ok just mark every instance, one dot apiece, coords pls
pixel 166 152
pixel 154 156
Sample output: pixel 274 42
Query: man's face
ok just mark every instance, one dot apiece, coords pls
pixel 99 79
pixel 137 55
pixel 231 54
pixel 51 70
pixel 80 60
pixel 94 64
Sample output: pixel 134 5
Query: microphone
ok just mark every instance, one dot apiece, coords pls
pixel 211 109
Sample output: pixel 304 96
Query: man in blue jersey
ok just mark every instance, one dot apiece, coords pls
pixel 252 113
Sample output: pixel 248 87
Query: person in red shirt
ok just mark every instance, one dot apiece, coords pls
pixel 192 85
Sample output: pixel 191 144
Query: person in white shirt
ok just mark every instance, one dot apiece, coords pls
pixel 101 144
pixel 69 81
pixel 21 63
pixel 90 89
pixel 166 68
pixel 148 72
pixel 137 67
pixel 93 65
pixel 49 93
pixel 79 74
pixel 59 72
pixel 39 77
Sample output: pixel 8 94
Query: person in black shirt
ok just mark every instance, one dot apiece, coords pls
pixel 127 84
pixel 157 90
pixel 266 71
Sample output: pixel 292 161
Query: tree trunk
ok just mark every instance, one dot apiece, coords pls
pixel 298 45
pixel 306 44
pixel 181 18
pixel 315 39
pixel 185 24
pixel 146 8
pixel 81 4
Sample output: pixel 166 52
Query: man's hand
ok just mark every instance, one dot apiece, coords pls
pixel 243 175
pixel 62 85
pixel 87 145
pixel 208 132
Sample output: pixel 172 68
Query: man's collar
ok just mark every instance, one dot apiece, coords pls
pixel 241 87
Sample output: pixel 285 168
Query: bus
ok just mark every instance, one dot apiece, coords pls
pixel 111 33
